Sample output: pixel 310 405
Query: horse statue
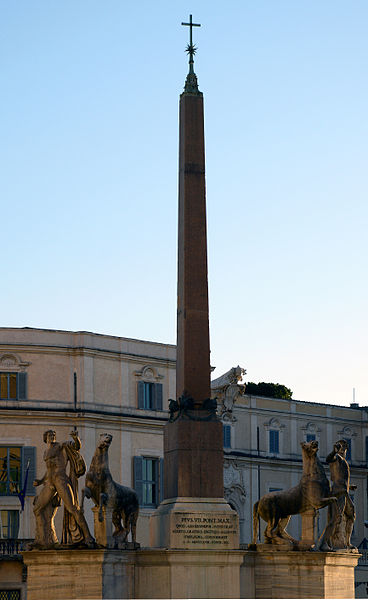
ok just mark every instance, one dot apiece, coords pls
pixel 312 491
pixel 105 492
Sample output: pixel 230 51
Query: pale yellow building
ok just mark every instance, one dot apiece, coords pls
pixel 99 383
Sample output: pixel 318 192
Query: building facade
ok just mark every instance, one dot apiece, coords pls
pixel 96 383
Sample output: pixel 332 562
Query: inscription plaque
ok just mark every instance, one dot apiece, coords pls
pixel 203 530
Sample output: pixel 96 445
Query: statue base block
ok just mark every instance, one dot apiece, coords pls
pixel 271 572
pixel 188 573
pixel 194 524
pixel 79 574
pixel 146 573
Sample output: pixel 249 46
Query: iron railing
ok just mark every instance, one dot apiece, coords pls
pixel 12 546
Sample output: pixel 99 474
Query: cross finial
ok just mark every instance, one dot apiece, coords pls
pixel 191 84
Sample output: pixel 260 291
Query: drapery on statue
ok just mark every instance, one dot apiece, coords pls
pixel 340 477
pixel 57 486
pixel 312 491
pixel 104 491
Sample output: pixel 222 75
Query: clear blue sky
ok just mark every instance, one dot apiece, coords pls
pixel 88 186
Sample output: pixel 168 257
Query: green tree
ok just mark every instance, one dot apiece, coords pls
pixel 271 390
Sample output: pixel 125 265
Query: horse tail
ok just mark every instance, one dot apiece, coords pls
pixel 255 522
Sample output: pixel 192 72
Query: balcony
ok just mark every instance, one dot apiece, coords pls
pixel 12 546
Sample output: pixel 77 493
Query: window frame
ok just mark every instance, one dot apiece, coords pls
pixel 141 481
pixel 20 385
pixel 7 478
pixel 274 441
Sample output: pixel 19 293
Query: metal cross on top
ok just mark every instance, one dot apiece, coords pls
pixel 191 25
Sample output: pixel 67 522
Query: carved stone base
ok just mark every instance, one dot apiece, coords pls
pixel 194 524
pixel 79 574
pixel 271 572
pixel 188 573
pixel 149 573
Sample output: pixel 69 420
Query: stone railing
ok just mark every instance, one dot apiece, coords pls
pixel 12 547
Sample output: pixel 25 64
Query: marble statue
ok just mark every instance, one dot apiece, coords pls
pixel 105 492
pixel 58 485
pixel 340 478
pixel 312 492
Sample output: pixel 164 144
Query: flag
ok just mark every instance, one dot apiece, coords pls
pixel 22 493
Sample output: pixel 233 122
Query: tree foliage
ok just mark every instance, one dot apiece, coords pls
pixel 270 390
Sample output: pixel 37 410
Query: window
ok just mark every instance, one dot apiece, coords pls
pixel 227 436
pixel 9 524
pixel 274 441
pixel 310 437
pixel 348 452
pixel 10 595
pixel 149 395
pixel 148 480
pixel 10 470
pixel 366 450
pixel 17 470
pixel 13 386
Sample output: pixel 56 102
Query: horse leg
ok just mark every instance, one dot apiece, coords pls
pixel 116 520
pixel 133 525
pixel 86 493
pixel 282 530
pixel 255 523
pixel 103 502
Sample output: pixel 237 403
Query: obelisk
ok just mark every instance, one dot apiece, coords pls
pixel 193 438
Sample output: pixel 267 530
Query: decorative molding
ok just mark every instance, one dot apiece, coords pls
pixel 227 391
pixel 12 362
pixel 149 373
pixel 273 424
pixel 347 432
pixel 234 488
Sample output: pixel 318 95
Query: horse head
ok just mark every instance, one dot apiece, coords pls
pixel 105 441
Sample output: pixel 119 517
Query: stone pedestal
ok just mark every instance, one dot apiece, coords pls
pixel 79 574
pixel 188 573
pixel 270 572
pixel 194 524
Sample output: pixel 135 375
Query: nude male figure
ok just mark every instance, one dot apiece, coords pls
pixel 56 482
pixel 340 477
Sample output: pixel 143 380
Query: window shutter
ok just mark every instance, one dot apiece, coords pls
pixel 140 394
pixel 22 386
pixel 29 454
pixel 162 492
pixel 138 476
pixel 157 396
pixel 274 441
pixel 227 436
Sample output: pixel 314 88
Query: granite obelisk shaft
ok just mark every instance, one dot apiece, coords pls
pixel 193 444
pixel 193 345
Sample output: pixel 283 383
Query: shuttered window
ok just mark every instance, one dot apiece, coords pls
pixel 13 386
pixel 227 436
pixel 274 441
pixel 9 524
pixel 15 461
pixel 149 395
pixel 148 480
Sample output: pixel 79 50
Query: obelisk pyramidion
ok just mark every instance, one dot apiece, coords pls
pixel 193 438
